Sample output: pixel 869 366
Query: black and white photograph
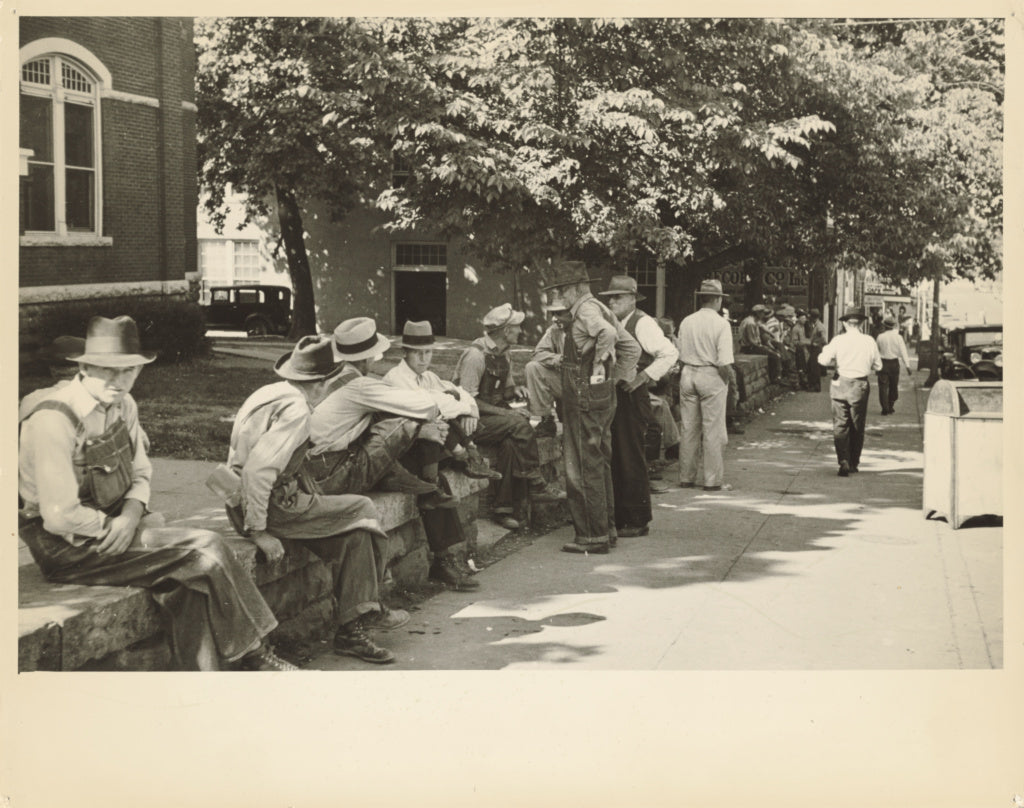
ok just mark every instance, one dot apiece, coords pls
pixel 583 382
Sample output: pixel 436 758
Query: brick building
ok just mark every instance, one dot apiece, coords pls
pixel 108 187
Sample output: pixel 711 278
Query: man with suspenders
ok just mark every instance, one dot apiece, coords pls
pixel 84 482
pixel 633 411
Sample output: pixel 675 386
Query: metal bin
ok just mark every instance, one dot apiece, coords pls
pixel 963 450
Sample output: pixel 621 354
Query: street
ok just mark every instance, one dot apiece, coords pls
pixel 795 568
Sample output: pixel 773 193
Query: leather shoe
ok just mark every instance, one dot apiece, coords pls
pixel 633 532
pixel 352 640
pixel 444 571
pixel 506 521
pixel 264 659
pixel 600 548
pixel 844 469
pixel 386 619
pixel 541 491
pixel 687 485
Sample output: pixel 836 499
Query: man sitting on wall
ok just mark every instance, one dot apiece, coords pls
pixel 84 485
pixel 365 431
pixel 755 339
pixel 485 371
pixel 269 441
pixel 544 372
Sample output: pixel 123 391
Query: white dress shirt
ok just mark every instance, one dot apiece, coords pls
pixel 654 343
pixel 892 346
pixel 705 338
pixel 403 376
pixel 855 354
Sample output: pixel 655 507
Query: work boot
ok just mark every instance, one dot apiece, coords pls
pixel 436 499
pixel 546 428
pixel 475 465
pixel 541 491
pixel 400 479
pixel 351 640
pixel 633 532
pixel 264 659
pixel 844 469
pixel 505 519
pixel 444 571
pixel 386 619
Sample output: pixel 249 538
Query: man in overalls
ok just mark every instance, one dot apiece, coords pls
pixel 599 353
pixel 84 481
pixel 633 410
pixel 485 371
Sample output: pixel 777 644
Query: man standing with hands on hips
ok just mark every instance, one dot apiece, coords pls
pixel 855 356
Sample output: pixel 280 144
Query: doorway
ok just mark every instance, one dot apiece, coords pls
pixel 421 296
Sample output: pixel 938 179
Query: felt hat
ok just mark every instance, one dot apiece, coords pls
pixel 622 285
pixel 312 359
pixel 758 308
pixel 855 313
pixel 814 312
pixel 710 288
pixel 112 344
pixel 888 319
pixel 564 273
pixel 60 349
pixel 417 335
pixel 501 316
pixel 357 339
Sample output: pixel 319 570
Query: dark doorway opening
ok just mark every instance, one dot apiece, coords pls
pixel 421 296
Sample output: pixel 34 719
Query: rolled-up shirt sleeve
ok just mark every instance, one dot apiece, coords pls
pixel 654 342
pixel 50 437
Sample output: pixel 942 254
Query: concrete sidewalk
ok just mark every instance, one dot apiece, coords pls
pixel 795 568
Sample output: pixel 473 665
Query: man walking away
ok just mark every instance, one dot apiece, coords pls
pixel 705 346
pixel 855 356
pixel 893 350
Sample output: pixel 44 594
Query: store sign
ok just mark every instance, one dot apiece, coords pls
pixel 775 280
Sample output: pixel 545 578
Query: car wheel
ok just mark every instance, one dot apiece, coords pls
pixel 257 327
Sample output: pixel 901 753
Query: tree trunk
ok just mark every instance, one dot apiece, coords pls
pixel 304 310
pixel 933 372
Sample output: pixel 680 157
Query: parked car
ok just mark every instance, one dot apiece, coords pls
pixel 258 310
pixel 973 352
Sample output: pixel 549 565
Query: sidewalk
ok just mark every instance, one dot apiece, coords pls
pixel 795 568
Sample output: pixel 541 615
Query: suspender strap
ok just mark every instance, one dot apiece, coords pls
pixel 59 406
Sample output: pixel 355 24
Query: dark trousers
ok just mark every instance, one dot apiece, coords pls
pixel 518 458
pixel 889 384
pixel 849 417
pixel 587 443
pixel 203 594
pixel 814 370
pixel 629 464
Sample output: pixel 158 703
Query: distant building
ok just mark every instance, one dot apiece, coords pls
pixel 108 188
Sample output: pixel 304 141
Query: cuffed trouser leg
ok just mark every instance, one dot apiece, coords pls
pixel 545 387
pixel 586 439
pixel 204 595
pixel 357 567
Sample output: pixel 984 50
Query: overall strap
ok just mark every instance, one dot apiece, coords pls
pixel 59 406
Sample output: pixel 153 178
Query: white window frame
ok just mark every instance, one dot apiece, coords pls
pixel 66 51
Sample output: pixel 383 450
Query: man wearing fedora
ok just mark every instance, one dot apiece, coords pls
pixel 485 370
pixel 367 433
pixel 459 410
pixel 756 339
pixel 269 441
pixel 633 411
pixel 705 347
pixel 855 356
pixel 84 486
pixel 599 353
pixel 544 372
pixel 893 350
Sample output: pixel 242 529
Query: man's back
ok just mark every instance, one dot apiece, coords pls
pixel 705 339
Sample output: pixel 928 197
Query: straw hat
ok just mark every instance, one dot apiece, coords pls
pixel 357 339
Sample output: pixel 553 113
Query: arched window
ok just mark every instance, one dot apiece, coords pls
pixel 60 143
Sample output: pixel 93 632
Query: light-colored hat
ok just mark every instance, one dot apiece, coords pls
pixel 622 285
pixel 711 288
pixel 311 360
pixel 113 344
pixel 554 308
pixel 888 319
pixel 417 335
pixel 758 308
pixel 564 273
pixel 502 316
pixel 357 339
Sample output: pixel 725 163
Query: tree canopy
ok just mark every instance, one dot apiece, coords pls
pixel 873 143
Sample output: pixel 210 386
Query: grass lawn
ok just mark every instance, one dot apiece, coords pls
pixel 187 409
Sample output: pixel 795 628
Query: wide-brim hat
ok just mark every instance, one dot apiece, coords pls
pixel 60 349
pixel 113 343
pixel 888 319
pixel 417 335
pixel 711 288
pixel 622 285
pixel 564 273
pixel 501 316
pixel 853 314
pixel 311 360
pixel 357 339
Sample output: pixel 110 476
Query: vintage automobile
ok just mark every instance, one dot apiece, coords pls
pixel 258 310
pixel 973 352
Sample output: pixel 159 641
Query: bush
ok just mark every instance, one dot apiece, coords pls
pixel 171 327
